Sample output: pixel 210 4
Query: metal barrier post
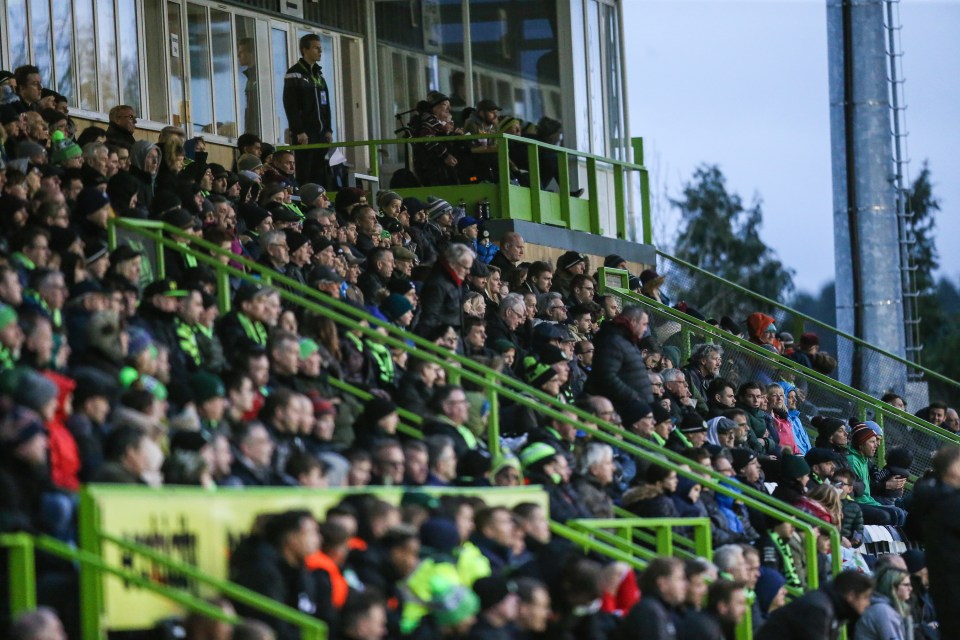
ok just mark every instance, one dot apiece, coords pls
pixel 703 542
pixel 21 572
pixel 493 421
pixel 536 196
pixel 564 165
pixel 593 204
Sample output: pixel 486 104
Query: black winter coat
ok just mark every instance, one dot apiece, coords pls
pixel 935 507
pixel 650 619
pixel 306 100
pixel 442 299
pixel 817 615
pixel 618 369
pixel 258 565
pixel 119 137
pixel 700 625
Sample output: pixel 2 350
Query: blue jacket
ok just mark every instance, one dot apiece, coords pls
pixel 793 415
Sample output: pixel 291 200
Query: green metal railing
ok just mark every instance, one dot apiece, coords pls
pixel 588 537
pixel 23 585
pixel 683 546
pixel 495 384
pixel 514 202
pixel 745 361
pixel 626 529
pixel 715 297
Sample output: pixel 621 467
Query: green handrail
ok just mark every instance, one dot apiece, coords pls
pixel 409 417
pixel 589 541
pixel 21 572
pixel 530 142
pixel 860 399
pixel 495 382
pixel 702 273
pixel 663 528
pixel 23 586
pixel 689 544
pixel 311 628
pixel 620 167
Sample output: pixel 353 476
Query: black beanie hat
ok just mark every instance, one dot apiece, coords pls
pixel 826 427
pixel 741 458
pixel 793 467
pixel 375 409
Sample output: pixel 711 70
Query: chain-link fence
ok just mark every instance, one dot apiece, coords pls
pixel 818 395
pixel 859 364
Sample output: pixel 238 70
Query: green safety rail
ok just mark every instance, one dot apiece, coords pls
pixel 533 204
pixel 590 536
pixel 625 530
pixel 683 546
pixel 715 297
pixel 495 384
pixel 23 592
pixel 744 360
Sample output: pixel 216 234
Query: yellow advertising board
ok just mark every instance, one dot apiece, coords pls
pixel 202 528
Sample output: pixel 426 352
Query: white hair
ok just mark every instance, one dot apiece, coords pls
pixel 728 556
pixel 595 453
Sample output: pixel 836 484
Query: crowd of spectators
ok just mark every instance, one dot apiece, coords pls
pixel 111 374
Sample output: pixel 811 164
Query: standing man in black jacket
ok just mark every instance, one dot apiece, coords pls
pixel 934 518
pixel 273 565
pixel 619 372
pixel 306 101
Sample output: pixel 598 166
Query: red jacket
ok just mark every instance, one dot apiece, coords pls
pixel 64 456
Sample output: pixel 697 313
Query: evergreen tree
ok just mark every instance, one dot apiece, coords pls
pixel 722 235
pixel 922 205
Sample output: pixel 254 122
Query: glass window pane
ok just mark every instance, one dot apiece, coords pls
pixel 17 21
pixel 616 145
pixel 40 31
pixel 281 62
pixel 177 55
pixel 155 48
pixel 129 53
pixel 63 49
pixel 86 55
pixel 224 80
pixel 515 55
pixel 247 78
pixel 201 89
pixel 107 48
pixel 595 72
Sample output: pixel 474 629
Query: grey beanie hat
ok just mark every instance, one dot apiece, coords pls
pixel 34 390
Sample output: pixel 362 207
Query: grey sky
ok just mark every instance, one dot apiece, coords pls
pixel 743 84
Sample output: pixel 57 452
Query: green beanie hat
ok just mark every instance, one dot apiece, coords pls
pixel 539 374
pixel 8 315
pixel 63 148
pixel 794 467
pixel 308 347
pixel 206 386
pixel 502 345
pixel 452 603
pixel 536 452
pixel 395 306
pixel 504 462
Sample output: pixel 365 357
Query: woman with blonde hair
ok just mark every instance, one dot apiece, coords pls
pixel 495 286
pixel 829 498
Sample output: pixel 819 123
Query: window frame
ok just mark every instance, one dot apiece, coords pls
pixel 263 24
